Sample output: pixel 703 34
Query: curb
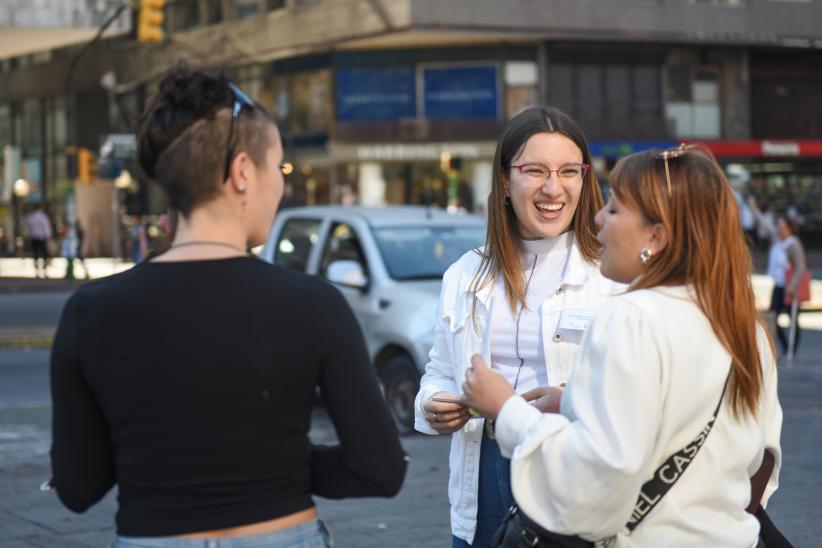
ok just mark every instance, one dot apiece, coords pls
pixel 27 343
pixel 34 337
pixel 28 285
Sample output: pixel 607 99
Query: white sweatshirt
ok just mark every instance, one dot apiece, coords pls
pixel 649 375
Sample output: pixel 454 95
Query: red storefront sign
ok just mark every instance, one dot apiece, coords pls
pixel 763 149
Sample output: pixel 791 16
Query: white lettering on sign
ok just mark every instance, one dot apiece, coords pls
pixel 772 148
pixel 416 152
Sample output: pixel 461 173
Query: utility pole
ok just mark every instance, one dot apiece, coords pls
pixel 71 117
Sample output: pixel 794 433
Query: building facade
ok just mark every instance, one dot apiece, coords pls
pixel 402 101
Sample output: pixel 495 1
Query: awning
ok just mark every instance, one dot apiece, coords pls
pixel 15 41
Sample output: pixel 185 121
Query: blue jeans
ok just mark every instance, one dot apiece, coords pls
pixel 311 534
pixel 494 496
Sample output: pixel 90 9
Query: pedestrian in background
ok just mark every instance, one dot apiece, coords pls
pixel 527 297
pixel 189 380
pixel 80 256
pixel 765 224
pixel 677 373
pixel 4 242
pixel 795 287
pixel 38 226
pixel 139 242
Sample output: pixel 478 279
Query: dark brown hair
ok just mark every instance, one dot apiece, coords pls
pixel 502 244
pixel 183 136
pixel 706 247
pixel 790 222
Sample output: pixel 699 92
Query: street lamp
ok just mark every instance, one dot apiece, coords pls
pixel 21 188
pixel 123 181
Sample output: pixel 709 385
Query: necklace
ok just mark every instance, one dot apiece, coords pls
pixel 519 315
pixel 208 242
pixel 489 423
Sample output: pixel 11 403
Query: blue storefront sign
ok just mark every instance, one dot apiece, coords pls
pixel 370 94
pixel 461 92
pixel 618 149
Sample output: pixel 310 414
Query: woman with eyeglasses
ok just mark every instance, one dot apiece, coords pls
pixel 189 380
pixel 525 299
pixel 672 406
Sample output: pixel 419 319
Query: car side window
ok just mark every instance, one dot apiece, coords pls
pixel 343 244
pixel 297 238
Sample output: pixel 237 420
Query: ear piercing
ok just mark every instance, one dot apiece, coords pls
pixel 645 255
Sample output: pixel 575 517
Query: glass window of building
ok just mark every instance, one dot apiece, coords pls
pixel 31 142
pixel 56 141
pixel 274 95
pixel 692 107
pixel 6 137
pixel 521 86
pixel 31 124
pixel 213 11
pixel 184 15
pixel 246 9
pixel 606 96
pixel 250 80
pixel 310 98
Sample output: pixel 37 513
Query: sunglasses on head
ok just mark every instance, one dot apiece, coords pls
pixel 241 101
pixel 670 153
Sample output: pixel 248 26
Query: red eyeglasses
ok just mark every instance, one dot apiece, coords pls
pixel 571 172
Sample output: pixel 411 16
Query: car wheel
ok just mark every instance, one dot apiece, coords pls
pixel 401 383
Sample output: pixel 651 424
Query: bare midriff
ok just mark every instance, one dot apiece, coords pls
pixel 259 528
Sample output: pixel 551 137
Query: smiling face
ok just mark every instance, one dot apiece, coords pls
pixel 545 207
pixel 623 232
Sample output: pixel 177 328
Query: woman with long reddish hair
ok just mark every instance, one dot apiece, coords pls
pixel 676 374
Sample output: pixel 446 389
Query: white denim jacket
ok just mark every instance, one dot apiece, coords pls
pixel 459 335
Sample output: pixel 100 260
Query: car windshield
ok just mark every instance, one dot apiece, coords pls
pixel 425 252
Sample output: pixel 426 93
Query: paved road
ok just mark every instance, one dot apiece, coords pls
pixel 418 517
pixel 31 309
pixel 24 379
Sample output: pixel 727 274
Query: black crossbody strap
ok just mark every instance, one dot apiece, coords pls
pixel 671 470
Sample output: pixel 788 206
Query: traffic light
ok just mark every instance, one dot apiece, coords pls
pixel 150 21
pixel 86 165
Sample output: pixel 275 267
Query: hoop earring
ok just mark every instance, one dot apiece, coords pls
pixel 645 255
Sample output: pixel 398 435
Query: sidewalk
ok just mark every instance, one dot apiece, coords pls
pixel 18 275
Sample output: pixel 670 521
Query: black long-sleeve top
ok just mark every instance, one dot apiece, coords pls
pixel 190 385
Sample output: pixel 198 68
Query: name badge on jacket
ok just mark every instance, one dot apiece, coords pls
pixel 576 319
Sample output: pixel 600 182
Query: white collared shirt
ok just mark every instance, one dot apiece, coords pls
pixel 459 334
pixel 649 376
pixel 518 333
